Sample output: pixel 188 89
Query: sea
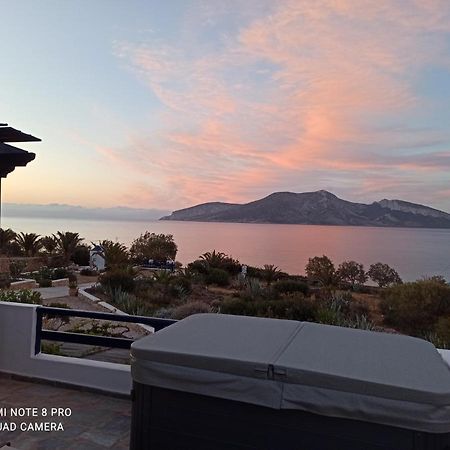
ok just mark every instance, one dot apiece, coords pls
pixel 414 253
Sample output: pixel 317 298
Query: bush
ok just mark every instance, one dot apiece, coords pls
pixel 183 282
pixel 288 286
pixel 81 255
pixel 255 272
pixel 293 307
pixel 44 273
pixel 442 330
pixel 118 279
pixel 59 273
pixel 415 308
pixel 88 272
pixel 198 266
pixel 238 307
pixel 16 268
pixel 128 303
pixel 183 311
pixel 21 296
pixel 219 277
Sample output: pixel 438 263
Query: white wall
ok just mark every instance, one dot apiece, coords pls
pixel 17 338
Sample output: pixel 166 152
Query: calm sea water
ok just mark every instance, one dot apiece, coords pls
pixel 413 252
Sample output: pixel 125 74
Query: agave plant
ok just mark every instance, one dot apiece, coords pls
pixel 66 243
pixel 29 243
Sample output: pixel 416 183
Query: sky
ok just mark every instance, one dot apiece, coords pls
pixel 151 104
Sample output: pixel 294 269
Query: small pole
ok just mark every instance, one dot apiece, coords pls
pixel 0 203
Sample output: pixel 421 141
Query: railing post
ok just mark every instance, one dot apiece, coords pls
pixel 37 338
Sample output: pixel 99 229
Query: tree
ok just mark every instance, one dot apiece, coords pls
pixel 49 243
pixel 383 275
pixel 29 243
pixel 219 260
pixel 270 273
pixel 159 247
pixel 81 255
pixel 322 270
pixel 214 259
pixel 352 272
pixel 115 254
pixel 67 243
pixel 7 238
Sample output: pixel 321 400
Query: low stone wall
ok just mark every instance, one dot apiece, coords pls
pixel 23 284
pixel 60 282
pixel 32 264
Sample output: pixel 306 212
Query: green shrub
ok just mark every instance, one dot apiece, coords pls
pixel 16 268
pixel 238 307
pixel 198 266
pixel 81 255
pixel 88 272
pixel 44 273
pixel 415 308
pixel 442 331
pixel 288 286
pixel 188 309
pixel 182 282
pixel 5 280
pixel 255 272
pixel 21 296
pixel 59 273
pixel 219 277
pixel 293 307
pixel 253 290
pixel 118 279
pixel 51 348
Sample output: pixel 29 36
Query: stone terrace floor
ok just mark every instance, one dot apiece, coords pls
pixel 97 421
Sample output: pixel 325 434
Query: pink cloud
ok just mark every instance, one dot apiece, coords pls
pixel 296 91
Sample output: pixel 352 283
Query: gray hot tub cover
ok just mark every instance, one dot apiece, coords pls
pixel 377 377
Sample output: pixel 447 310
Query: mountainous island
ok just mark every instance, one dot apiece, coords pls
pixel 316 208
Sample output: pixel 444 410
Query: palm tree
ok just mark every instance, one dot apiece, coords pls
pixel 270 273
pixel 66 243
pixel 114 253
pixel 214 259
pixel 6 238
pixel 30 243
pixel 49 243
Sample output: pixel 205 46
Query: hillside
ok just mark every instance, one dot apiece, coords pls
pixel 316 208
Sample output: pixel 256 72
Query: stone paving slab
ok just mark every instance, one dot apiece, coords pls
pixel 96 422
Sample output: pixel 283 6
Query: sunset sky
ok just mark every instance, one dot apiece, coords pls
pixel 157 104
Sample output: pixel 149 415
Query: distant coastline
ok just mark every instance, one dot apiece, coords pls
pixel 62 211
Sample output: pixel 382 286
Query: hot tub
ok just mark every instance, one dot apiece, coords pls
pixel 228 382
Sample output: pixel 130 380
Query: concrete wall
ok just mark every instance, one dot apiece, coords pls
pixel 60 282
pixel 17 338
pixel 24 284
pixel 32 263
